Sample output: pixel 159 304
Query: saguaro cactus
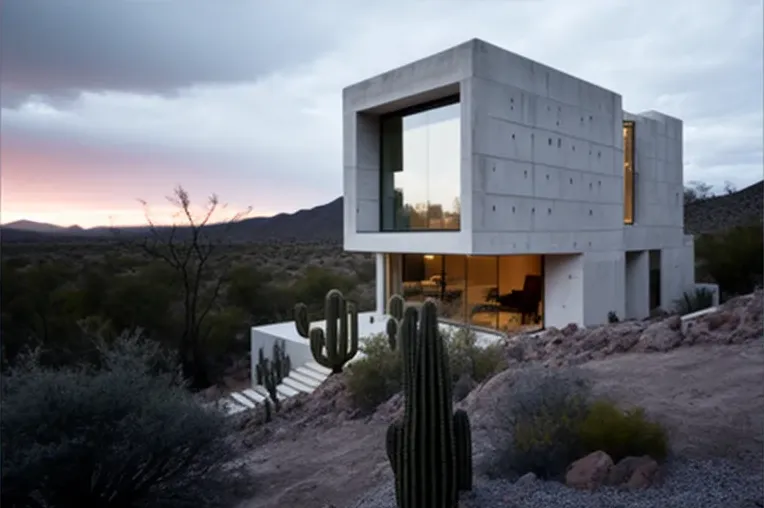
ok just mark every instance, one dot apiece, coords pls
pixel 431 463
pixel 395 309
pixel 337 345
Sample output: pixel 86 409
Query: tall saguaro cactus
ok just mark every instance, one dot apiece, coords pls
pixel 430 450
pixel 337 345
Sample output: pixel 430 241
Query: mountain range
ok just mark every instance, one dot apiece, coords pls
pixel 324 222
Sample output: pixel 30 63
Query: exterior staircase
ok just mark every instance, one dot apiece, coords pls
pixel 303 379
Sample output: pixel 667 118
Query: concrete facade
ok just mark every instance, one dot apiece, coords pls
pixel 542 172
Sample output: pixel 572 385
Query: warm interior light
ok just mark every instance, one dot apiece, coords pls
pixel 429 257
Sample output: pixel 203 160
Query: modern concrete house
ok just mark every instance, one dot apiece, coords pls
pixel 516 194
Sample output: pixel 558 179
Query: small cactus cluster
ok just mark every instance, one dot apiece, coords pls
pixel 337 345
pixel 430 450
pixel 395 309
pixel 271 372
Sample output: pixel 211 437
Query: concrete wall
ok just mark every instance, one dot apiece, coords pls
pixel 434 77
pixel 541 172
pixel 563 290
pixel 659 191
pixel 604 286
pixel 547 162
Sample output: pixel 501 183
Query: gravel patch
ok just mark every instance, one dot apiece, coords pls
pixel 687 484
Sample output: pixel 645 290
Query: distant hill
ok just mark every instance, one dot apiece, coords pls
pixel 41 227
pixel 718 213
pixel 324 222
pixel 321 223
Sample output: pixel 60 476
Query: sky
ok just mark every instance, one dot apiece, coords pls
pixel 108 102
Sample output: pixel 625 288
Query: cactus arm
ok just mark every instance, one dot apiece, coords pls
pixel 301 321
pixel 341 348
pixel 463 439
pixel 391 328
pixel 396 306
pixel 352 334
pixel 317 345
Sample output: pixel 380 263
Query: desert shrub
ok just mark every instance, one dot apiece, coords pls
pixel 541 419
pixel 693 301
pixel 732 259
pixel 622 433
pixel 466 357
pixel 375 378
pixel 122 433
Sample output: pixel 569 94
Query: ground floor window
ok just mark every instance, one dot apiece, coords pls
pixel 499 292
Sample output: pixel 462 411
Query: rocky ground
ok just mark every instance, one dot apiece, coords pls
pixel 702 381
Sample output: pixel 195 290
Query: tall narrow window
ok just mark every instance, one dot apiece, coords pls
pixel 628 172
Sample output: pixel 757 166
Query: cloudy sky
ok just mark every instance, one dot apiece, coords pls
pixel 104 102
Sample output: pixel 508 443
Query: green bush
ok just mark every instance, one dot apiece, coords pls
pixel 732 259
pixel 375 378
pixel 466 357
pixel 693 301
pixel 621 434
pixel 541 419
pixel 122 433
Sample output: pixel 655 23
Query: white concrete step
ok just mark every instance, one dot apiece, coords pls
pixel 241 399
pixel 230 407
pixel 318 368
pixel 253 395
pixel 306 380
pixel 300 387
pixel 286 391
pixel 261 390
pixel 313 374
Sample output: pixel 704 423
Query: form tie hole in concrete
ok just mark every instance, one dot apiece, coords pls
pixel 512 100
pixel 550 141
pixel 494 208
pixel 599 154
pixel 548 108
pixel 513 136
pixel 599 183
pixel 513 209
pixel 582 119
pixel 525 173
pixel 571 181
pixel 591 118
pixel 533 210
pixel 493 168
pixel 559 142
pixel 590 186
pixel 574 147
pixel 558 123
pixel 512 108
pixel 549 211
pixel 547 176
pixel 591 213
pixel 575 244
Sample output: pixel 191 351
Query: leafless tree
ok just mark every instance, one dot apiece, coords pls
pixel 187 249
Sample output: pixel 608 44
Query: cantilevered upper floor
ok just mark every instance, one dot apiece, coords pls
pixel 477 150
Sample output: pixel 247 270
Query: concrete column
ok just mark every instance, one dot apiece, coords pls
pixel 637 284
pixel 380 283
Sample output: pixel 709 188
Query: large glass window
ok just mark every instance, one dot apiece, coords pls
pixel 420 168
pixel 628 172
pixel 499 292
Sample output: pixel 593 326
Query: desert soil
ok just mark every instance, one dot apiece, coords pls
pixel 710 397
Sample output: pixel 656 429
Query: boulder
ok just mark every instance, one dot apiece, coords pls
pixel 633 472
pixel 589 472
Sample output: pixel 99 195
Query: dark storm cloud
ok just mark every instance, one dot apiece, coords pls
pixel 57 48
